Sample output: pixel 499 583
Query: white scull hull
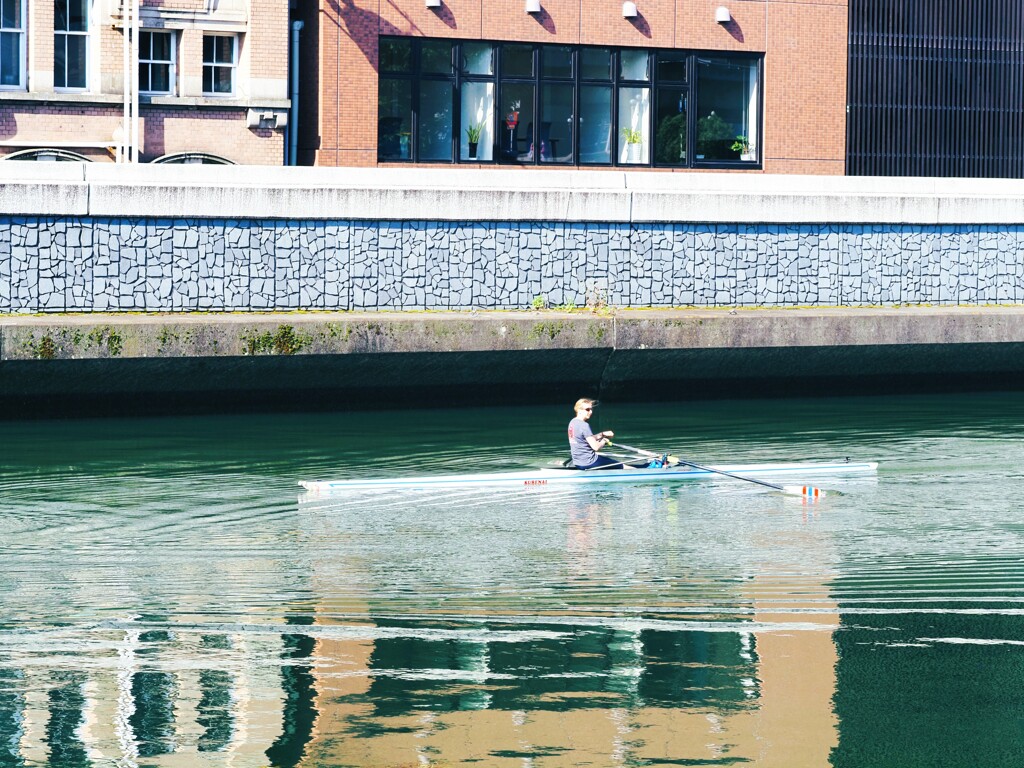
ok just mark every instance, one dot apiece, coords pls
pixel 556 476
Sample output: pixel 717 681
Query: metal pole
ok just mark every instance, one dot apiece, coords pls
pixel 293 124
pixel 135 81
pixel 126 83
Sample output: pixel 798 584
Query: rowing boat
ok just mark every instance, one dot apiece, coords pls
pixel 623 474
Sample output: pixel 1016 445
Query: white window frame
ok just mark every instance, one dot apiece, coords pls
pixel 232 66
pixel 87 34
pixel 171 64
pixel 22 58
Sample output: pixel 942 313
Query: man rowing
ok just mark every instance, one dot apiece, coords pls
pixel 583 443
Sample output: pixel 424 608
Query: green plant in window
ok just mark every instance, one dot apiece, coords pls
pixel 632 135
pixel 741 145
pixel 473 133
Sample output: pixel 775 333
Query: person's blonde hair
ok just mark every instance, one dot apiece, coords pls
pixel 583 402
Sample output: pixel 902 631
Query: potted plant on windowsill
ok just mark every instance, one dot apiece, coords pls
pixel 473 136
pixel 634 139
pixel 743 146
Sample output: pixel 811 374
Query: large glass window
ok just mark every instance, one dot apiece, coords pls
pixel 395 55
pixel 517 122
pixel 434 137
pixel 556 61
pixel 634 125
pixel 554 136
pixel 522 103
pixel 477 58
pixel 634 64
pixel 12 44
pixel 71 44
pixel 727 109
pixel 517 61
pixel 156 62
pixel 670 108
pixel 437 57
pixel 595 124
pixel 596 63
pixel 220 57
pixel 394 120
pixel 477 121
pixel 670 126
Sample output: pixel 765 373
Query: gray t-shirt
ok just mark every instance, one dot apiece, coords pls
pixel 582 454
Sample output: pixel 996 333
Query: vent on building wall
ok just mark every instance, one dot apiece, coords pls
pixel 256 118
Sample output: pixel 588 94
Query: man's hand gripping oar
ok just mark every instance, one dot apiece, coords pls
pixel 804 491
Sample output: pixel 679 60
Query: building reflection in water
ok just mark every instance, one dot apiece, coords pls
pixel 154 697
pixel 549 689
pixel 584 690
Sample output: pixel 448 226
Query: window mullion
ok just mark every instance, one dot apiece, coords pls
pixel 691 112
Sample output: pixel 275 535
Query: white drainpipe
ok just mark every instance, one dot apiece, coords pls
pixel 293 124
pixel 136 7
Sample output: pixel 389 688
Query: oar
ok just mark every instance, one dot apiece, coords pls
pixel 808 491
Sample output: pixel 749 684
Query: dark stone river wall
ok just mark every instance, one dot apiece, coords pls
pixel 84 364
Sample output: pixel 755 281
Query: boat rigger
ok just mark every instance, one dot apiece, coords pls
pixel 784 472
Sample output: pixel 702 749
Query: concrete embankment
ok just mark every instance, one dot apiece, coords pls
pixel 59 365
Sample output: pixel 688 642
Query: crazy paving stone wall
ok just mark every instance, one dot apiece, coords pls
pixel 110 265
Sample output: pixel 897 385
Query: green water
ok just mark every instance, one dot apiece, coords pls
pixel 170 596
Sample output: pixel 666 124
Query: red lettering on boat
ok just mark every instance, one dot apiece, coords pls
pixel 535 482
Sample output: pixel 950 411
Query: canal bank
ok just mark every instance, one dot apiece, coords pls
pixel 89 364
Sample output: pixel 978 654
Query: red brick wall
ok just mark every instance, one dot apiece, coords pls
pixel 804 42
pixel 805 93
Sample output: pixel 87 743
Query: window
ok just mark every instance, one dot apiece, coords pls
pixel 71 44
pixel 670 109
pixel 727 107
pixel 12 44
pixel 156 62
pixel 537 104
pixel 634 107
pixel 220 57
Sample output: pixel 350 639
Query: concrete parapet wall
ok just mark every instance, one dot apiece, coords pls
pixel 460 194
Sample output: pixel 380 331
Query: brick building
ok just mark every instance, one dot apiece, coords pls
pixel 745 85
pixel 212 80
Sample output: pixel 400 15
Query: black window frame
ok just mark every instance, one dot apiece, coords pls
pixel 615 81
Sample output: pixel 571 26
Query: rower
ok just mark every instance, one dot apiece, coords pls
pixel 583 443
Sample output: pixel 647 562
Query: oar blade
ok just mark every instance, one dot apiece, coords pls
pixel 804 491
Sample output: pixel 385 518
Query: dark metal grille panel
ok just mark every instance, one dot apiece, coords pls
pixel 936 88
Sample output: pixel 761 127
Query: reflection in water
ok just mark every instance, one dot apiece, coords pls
pixel 12 707
pixel 152 697
pixel 170 600
pixel 299 704
pixel 153 719
pixel 66 701
pixel 215 710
